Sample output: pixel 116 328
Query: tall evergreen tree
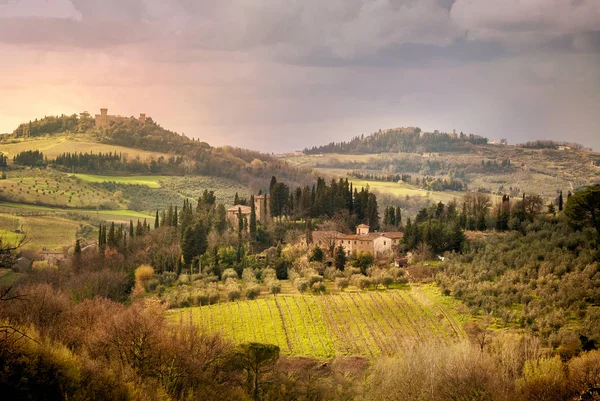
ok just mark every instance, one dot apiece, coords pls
pixel 156 220
pixel 340 258
pixel 112 236
pixel 131 231
pixel 560 201
pixel 252 218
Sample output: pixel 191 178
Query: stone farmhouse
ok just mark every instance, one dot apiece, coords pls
pixel 261 208
pixel 376 243
pixel 104 119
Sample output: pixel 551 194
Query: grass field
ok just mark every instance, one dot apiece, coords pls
pixel 50 233
pixel 362 323
pixel 402 190
pixel 151 181
pixel 56 145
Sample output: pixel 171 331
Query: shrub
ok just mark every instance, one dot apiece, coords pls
pixel 167 278
pixel 229 273
pixel 274 287
pixel 184 279
pixel 233 293
pixel 268 274
pixel 252 291
pixel 301 284
pixel 360 281
pixel 341 283
pixel 213 296
pixel 313 279
pixel 152 285
pixel 248 275
pixel 200 298
pixel 318 287
pixel 143 275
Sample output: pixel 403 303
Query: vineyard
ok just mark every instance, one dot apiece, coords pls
pixel 367 323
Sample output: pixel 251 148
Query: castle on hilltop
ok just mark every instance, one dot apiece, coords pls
pixel 104 119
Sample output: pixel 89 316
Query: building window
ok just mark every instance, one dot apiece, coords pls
pixel 384 243
pixel 354 242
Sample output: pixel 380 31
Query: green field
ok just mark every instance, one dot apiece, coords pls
pixel 365 323
pixel 151 181
pixel 56 145
pixel 403 189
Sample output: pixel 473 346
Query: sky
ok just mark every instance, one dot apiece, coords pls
pixel 282 75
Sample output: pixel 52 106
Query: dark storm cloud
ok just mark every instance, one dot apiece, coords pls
pixel 308 30
pixel 303 69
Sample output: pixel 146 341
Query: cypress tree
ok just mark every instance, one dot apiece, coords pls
pixel 560 201
pixel 77 250
pixel 252 218
pixel 131 232
pixel 187 246
pixel 156 220
pixel 112 236
pixel 100 238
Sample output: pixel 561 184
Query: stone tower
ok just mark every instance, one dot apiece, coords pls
pixel 142 117
pixel 262 208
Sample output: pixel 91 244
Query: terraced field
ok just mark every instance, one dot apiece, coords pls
pixel 366 323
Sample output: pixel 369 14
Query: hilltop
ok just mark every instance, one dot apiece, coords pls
pixel 74 171
pixel 147 141
pixel 424 167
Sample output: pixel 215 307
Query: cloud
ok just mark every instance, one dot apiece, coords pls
pixel 517 23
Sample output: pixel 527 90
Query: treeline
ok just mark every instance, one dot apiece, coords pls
pixel 322 200
pixel 101 162
pixel 548 144
pixel 381 177
pixel 50 125
pixel 439 227
pixel 30 158
pixel 406 140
